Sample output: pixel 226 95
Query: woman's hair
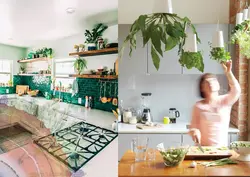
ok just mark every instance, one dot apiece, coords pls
pixel 202 79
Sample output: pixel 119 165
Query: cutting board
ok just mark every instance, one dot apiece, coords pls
pixel 211 153
pixel 24 88
pixel 146 127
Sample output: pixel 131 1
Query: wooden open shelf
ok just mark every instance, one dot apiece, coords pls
pixel 95 52
pixel 90 76
pixel 33 60
pixel 34 74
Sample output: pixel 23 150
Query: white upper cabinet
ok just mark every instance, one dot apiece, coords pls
pixel 206 32
pixel 137 63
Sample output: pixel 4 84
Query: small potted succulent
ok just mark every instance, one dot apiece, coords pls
pixel 92 37
pixel 80 64
pixel 22 70
pixel 76 47
pixel 82 47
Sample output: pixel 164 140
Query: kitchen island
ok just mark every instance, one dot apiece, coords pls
pixel 32 160
pixel 128 167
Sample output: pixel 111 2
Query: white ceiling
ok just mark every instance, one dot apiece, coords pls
pixel 198 11
pixel 28 22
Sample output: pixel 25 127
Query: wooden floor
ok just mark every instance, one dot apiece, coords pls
pixel 13 137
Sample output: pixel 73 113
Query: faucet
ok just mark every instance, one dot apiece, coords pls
pixel 60 87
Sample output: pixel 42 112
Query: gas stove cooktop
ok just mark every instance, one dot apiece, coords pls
pixel 76 145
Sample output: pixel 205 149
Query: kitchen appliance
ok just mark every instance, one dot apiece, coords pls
pixel 78 144
pixel 146 113
pixel 173 115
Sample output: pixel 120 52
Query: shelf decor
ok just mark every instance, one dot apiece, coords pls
pixel 159 29
pixel 80 64
pixel 92 37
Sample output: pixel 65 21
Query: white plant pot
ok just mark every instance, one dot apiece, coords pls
pixel 245 14
pixel 249 12
pixel 91 46
pixel 218 40
pixel 191 43
pixel 162 6
pixel 239 18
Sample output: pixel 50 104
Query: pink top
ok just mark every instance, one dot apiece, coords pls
pixel 213 119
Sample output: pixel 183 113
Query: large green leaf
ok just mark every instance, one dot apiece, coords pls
pixel 156 40
pixel 171 43
pixel 142 22
pixel 155 58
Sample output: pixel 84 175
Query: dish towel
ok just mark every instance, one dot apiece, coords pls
pixel 74 88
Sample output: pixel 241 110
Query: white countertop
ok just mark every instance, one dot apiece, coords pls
pixel 103 164
pixel 179 127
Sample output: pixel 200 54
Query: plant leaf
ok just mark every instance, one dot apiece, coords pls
pixel 170 43
pixel 155 58
pixel 142 22
pixel 156 41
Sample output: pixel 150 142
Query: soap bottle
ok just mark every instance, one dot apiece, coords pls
pixel 86 102
pixel 90 102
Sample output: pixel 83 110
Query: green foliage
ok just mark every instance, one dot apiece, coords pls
pixel 160 29
pixel 219 54
pixel 241 36
pixel 97 31
pixel 192 60
pixel 80 64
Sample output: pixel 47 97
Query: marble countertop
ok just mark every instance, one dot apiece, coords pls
pixel 100 118
pixel 179 127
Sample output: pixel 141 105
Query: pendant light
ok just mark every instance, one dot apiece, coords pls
pixel 162 6
pixel 239 18
pixel 190 43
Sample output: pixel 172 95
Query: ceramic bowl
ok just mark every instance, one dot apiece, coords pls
pixel 243 149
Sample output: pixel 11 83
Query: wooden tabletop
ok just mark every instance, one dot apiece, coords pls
pixel 128 167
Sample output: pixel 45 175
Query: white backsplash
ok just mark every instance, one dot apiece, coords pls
pixel 168 91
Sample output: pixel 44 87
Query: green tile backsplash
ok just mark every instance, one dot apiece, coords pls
pixel 87 87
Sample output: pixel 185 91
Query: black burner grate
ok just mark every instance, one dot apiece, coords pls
pixel 76 145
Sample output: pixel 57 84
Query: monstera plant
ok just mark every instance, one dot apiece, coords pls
pixel 168 30
pixel 241 36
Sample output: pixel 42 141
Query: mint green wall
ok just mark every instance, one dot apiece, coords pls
pixel 12 53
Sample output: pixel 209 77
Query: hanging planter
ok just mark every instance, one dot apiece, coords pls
pixel 239 18
pixel 165 29
pixel 190 56
pixel 218 51
pixel 241 36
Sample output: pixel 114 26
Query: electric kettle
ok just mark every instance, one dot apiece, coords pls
pixel 173 114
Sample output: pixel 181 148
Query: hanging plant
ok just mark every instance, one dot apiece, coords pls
pixel 219 54
pixel 192 59
pixel 163 29
pixel 80 64
pixel 241 36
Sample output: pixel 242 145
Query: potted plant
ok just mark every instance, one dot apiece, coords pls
pixel 76 47
pixel 22 70
pixel 219 54
pixel 241 36
pixel 80 64
pixel 92 37
pixel 82 47
pixel 165 29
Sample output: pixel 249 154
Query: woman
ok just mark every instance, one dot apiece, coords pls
pixel 211 116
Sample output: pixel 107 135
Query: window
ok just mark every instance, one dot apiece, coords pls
pixel 5 71
pixel 63 68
